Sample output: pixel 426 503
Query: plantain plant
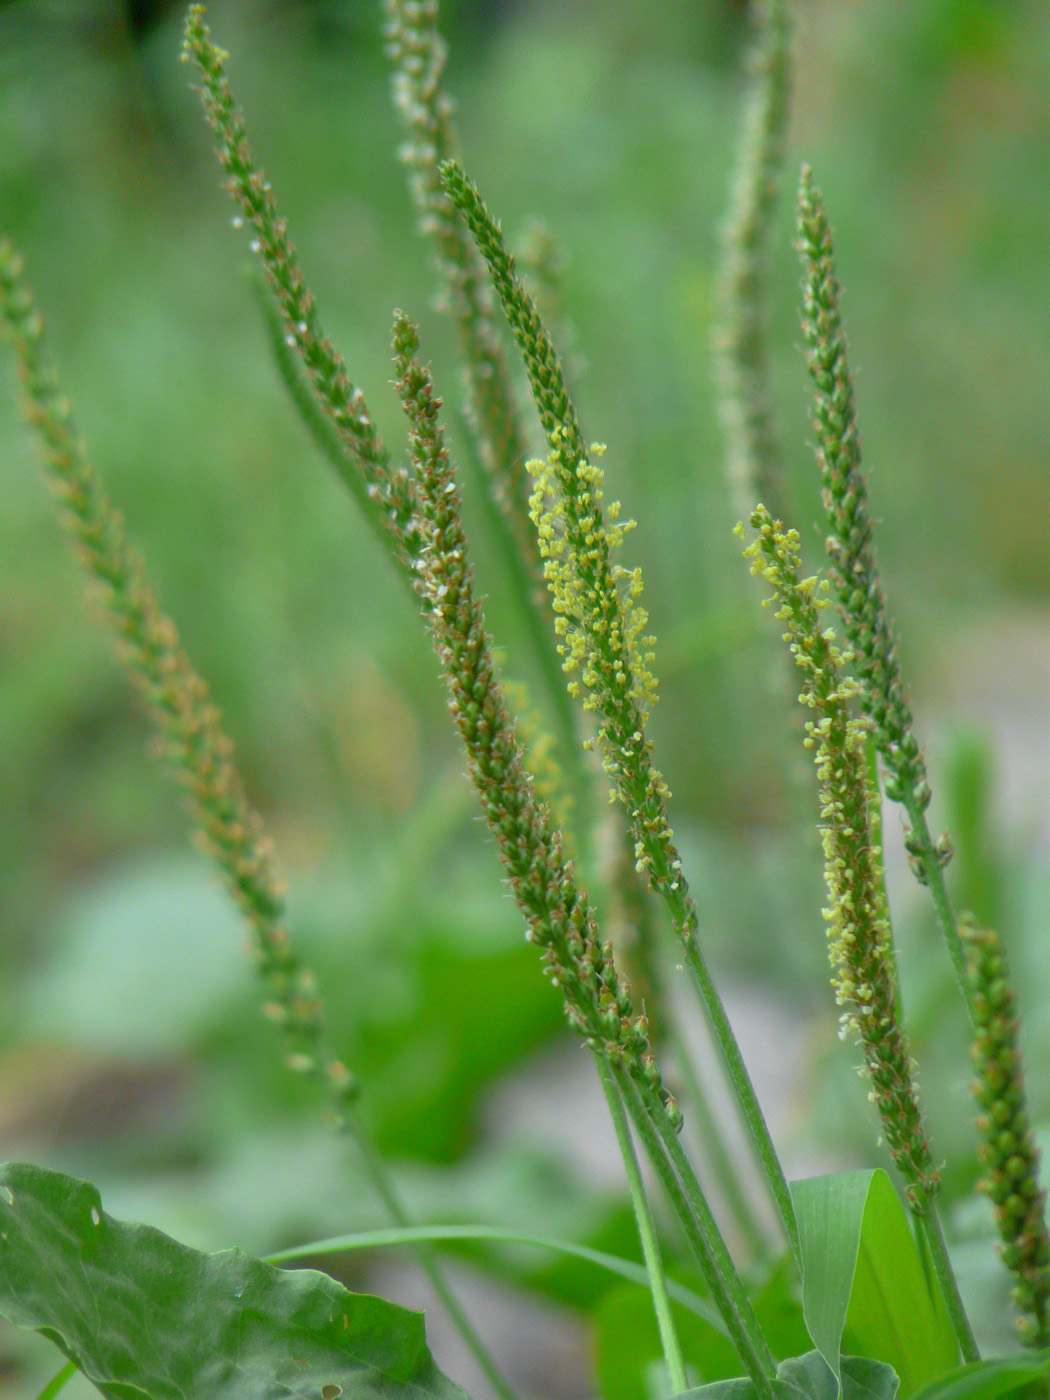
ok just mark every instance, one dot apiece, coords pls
pixel 866 1303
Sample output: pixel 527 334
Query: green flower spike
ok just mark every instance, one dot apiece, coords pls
pixel 560 921
pixel 1008 1151
pixel 418 55
pixel 859 944
pixel 859 940
pixel 383 494
pixel 192 738
pixel 595 602
pixel 602 625
pixel 852 567
pixel 755 471
pixel 559 918
pixel 417 51
pixel 596 605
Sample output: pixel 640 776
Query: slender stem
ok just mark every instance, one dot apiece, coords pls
pixel 634 910
pixel 932 865
pixel 701 1230
pixel 56 1383
pixel 707 1128
pixel 643 1217
pixel 382 1181
pixel 930 1223
pixel 744 1090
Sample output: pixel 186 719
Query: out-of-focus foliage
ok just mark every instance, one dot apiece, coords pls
pixel 130 1042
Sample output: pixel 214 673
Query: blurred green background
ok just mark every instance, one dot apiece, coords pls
pixel 131 1050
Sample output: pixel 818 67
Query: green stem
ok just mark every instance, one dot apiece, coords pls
pixel 712 1141
pixel 687 1199
pixel 643 1217
pixel 56 1383
pixel 382 1181
pixel 744 1091
pixel 930 1223
pixel 933 873
pixel 634 909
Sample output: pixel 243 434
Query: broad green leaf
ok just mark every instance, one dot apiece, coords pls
pixel 862 1379
pixel 143 1316
pixel 864 1279
pixel 809 1377
pixel 989 1380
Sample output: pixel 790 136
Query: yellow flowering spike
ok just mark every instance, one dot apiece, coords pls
pixel 559 918
pixel 859 942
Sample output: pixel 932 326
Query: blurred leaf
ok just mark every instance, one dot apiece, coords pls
pixel 988 1380
pixel 149 954
pixel 142 1315
pixel 465 1018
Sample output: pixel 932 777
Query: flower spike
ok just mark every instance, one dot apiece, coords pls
pixel 852 565
pixel 859 944
pixel 755 470
pixel 383 494
pixel 559 918
pixel 1008 1151
pixel 193 740
pixel 417 52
